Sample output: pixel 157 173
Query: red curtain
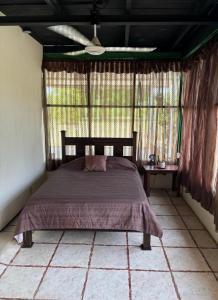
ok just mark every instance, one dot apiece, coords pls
pixel 198 164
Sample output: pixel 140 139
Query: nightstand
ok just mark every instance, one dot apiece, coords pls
pixel 154 170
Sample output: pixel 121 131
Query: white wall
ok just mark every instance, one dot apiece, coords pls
pixel 21 130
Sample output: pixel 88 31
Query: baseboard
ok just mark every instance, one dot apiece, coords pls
pixel 205 217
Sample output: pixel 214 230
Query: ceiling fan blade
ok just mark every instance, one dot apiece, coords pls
pixel 71 33
pixel 130 49
pixel 110 49
pixel 75 53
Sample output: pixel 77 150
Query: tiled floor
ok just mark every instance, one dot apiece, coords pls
pixel 104 265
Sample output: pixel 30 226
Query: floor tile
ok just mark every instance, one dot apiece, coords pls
pixel 185 210
pixel 155 241
pixel 136 239
pixel 110 238
pixel 47 236
pixel 107 285
pixel 171 193
pixel 5 238
pixel 186 259
pixel 211 256
pixel 38 255
pixel 60 283
pixel 171 222
pixel 164 210
pixel 2 268
pixel 109 257
pixel 158 192
pixel 152 286
pixel 159 200
pixel 203 239
pixel 196 286
pixel 177 238
pixel 78 236
pixel 192 222
pixel 8 247
pixel 147 260
pixel 20 282
pixel 72 256
pixel 178 201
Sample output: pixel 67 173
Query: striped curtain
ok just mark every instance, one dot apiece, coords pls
pixel 111 99
pixel 111 104
pixel 66 108
pixel 199 151
pixel 157 112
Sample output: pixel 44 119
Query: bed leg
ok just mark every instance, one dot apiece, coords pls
pixel 27 239
pixel 146 242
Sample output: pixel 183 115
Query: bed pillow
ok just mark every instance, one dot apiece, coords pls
pixel 95 163
pixel 114 162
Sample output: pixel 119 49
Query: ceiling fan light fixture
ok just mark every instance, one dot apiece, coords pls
pixel 95 50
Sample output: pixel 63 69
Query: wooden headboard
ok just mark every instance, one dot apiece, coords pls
pixel 99 144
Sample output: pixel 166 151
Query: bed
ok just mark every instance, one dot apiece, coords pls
pixel 79 200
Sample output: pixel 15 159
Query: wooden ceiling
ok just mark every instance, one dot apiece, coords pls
pixel 175 27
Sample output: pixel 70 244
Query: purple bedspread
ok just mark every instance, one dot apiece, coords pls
pixel 76 199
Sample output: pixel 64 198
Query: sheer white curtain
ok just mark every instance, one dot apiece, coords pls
pixel 157 114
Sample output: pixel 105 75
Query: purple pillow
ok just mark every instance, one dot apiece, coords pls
pixel 95 163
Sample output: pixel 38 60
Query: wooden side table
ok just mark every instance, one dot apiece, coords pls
pixel 154 170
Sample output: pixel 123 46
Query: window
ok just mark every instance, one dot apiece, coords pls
pixel 113 105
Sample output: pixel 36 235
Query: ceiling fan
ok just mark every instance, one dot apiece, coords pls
pixel 94 46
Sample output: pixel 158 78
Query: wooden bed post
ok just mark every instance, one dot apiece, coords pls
pixel 63 145
pixel 134 146
pixel 146 242
pixel 27 239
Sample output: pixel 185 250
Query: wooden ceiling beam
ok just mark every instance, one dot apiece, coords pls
pixel 184 31
pixel 127 26
pixel 203 7
pixel 145 20
pixel 55 6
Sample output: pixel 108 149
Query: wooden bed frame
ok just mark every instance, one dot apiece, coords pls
pixel 99 144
